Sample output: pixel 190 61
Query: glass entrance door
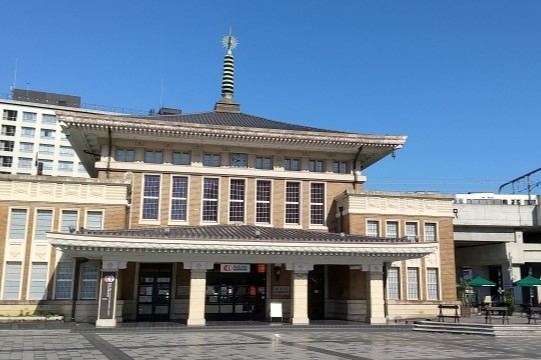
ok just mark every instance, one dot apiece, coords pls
pixel 154 294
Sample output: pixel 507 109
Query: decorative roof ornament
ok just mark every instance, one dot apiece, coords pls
pixel 226 103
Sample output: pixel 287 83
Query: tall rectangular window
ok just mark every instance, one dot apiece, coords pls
pixel 432 284
pixel 210 199
pixel 392 229
pixel 48 119
pixel 89 281
pixel 411 231
pixel 94 220
pixel 212 160
pixel 413 283
pixel 393 283
pixel 153 157
pixel 69 219
pixel 430 232
pixel 317 204
pixel 292 164
pixel 151 197
pixel 263 202
pixel 44 223
pixel 17 224
pixel 64 281
pixel 179 198
pixel 263 163
pixel 372 228
pixel 125 155
pixel 38 281
pixel 181 158
pixel 237 190
pixel 293 203
pixel 12 280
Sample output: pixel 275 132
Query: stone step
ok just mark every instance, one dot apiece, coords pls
pixel 479 329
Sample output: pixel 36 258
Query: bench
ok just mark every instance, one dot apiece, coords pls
pixel 446 313
pixel 533 313
pixel 496 311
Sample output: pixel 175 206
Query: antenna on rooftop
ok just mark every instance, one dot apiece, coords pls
pixel 14 76
pixel 161 95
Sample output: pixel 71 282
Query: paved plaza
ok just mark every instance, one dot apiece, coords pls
pixel 244 342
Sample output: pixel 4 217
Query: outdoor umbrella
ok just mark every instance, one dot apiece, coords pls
pixel 529 281
pixel 480 282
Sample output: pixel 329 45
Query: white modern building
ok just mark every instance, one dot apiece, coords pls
pixel 498 237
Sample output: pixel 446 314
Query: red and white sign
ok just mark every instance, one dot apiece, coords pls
pixel 239 268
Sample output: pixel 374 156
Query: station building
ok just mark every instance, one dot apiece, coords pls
pixel 222 215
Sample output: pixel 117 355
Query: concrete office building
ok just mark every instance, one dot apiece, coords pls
pixel 230 216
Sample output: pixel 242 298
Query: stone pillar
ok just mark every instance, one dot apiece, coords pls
pixel 299 301
pixel 198 287
pixel 376 298
pixel 108 287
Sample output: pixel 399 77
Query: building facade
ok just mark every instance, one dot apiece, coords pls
pixel 230 216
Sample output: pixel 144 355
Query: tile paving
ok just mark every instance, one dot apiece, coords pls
pixel 255 342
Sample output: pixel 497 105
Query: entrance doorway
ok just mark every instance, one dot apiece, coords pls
pixel 316 293
pixel 154 292
pixel 236 295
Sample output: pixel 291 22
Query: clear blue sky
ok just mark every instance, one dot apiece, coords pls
pixel 461 78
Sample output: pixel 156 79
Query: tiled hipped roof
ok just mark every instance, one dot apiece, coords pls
pixel 235 120
pixel 242 233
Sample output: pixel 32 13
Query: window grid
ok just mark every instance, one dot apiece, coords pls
pixel 69 218
pixel 64 281
pixel 292 203
pixel 316 166
pixel 8 130
pixel 12 280
pixel 125 155
pixel 411 231
pixel 153 157
pixel 94 220
pixel 151 197
pixel 48 119
pixel 237 190
pixel 66 151
pixel 29 117
pixel 44 223
pixel 210 199
pixel 27 131
pixel 413 283
pixel 10 115
pixel 181 158
pixel 263 202
pixel 292 164
pixel 179 198
pixel 47 133
pixel 26 147
pixel 393 283
pixel 432 284
pixel 212 160
pixel 65 166
pixel 17 226
pixel 38 281
pixel 25 163
pixel 340 167
pixel 392 229
pixel 430 232
pixel 317 204
pixel 264 163
pixel 372 228
pixel 89 283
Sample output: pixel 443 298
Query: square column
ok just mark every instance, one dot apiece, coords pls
pixel 198 287
pixel 376 298
pixel 299 305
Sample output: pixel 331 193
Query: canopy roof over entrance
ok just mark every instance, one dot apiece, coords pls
pixel 234 240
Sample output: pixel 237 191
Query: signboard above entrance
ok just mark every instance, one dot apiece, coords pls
pixel 230 268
